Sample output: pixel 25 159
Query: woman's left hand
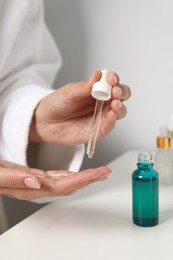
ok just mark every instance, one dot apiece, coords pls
pixel 26 183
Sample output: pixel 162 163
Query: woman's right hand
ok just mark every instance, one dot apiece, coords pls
pixel 26 183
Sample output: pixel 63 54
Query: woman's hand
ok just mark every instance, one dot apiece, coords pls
pixel 25 183
pixel 64 116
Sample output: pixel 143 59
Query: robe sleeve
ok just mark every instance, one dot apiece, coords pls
pixel 29 63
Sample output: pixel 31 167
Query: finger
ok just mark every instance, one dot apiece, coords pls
pixel 113 78
pixel 107 124
pixel 81 89
pixel 102 177
pixel 68 185
pixel 121 91
pixel 96 76
pixel 116 105
pixel 121 113
pixel 18 178
pixel 88 84
pixel 20 193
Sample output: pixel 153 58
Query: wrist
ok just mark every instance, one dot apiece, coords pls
pixel 34 136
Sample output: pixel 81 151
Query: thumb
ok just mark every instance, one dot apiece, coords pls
pixel 93 78
pixel 82 89
pixel 18 178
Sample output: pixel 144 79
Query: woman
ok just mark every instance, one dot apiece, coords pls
pixel 31 112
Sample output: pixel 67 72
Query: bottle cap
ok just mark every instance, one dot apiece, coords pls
pixel 163 142
pixel 102 89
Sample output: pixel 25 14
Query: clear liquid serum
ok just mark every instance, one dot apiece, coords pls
pixel 145 192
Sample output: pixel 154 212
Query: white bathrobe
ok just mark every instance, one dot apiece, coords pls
pixel 29 62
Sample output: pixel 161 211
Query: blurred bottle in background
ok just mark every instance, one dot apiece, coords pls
pixel 163 159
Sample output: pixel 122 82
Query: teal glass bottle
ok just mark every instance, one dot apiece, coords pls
pixel 145 192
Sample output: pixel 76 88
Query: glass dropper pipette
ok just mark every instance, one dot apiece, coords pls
pixel 101 91
pixel 94 128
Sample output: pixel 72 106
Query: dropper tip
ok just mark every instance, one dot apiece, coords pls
pixel 90 155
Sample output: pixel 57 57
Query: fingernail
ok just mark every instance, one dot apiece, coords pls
pixel 116 78
pixel 31 183
pixel 120 104
pixel 119 91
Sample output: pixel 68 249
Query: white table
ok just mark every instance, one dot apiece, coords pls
pixel 95 223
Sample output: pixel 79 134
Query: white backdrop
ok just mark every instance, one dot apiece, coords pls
pixel 133 38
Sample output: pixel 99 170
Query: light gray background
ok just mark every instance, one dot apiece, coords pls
pixel 133 38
